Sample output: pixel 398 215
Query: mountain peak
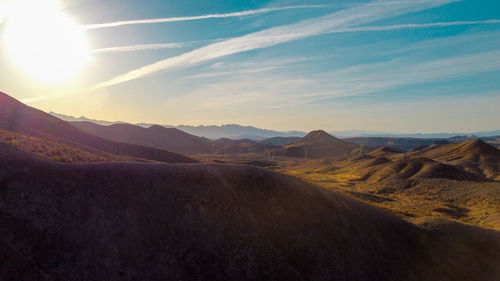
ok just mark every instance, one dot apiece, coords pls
pixel 319 144
pixel 318 136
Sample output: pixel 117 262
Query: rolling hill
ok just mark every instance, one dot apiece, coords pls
pixel 474 155
pixel 231 131
pixel 172 139
pixel 155 136
pixel 455 181
pixel 281 141
pixel 417 168
pixel 228 146
pixel 58 151
pixel 319 144
pixel 402 144
pixel 130 221
pixel 19 118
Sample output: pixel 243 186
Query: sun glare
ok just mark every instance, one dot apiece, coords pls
pixel 44 42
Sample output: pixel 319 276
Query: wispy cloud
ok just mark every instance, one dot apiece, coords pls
pixel 269 37
pixel 202 17
pixel 407 26
pixel 371 78
pixel 234 69
pixel 273 92
pixel 142 47
pixel 146 47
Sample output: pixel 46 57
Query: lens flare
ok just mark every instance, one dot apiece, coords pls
pixel 44 42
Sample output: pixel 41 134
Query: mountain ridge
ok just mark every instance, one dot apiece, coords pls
pixel 20 118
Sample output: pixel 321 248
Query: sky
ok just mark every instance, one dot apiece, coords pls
pixel 379 65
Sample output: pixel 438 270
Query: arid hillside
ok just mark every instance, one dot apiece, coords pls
pixel 130 221
pixel 155 136
pixel 402 144
pixel 172 139
pixel 475 156
pixel 19 118
pixel 228 146
pixel 60 152
pixel 454 181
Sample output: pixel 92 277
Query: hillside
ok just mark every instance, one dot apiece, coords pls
pixel 386 151
pixel 172 139
pixel 57 151
pixel 19 118
pixel 474 155
pixel 402 144
pixel 281 141
pixel 319 144
pixel 416 168
pixel 155 136
pixel 213 222
pixel 232 131
pixel 228 146
pixel 453 181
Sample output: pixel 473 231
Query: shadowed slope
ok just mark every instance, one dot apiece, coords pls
pixel 241 146
pixel 17 117
pixel 212 222
pixel 155 136
pixel 281 141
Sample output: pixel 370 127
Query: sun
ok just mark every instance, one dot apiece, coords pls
pixel 43 41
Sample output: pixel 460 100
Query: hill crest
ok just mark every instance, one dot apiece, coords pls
pixel 20 118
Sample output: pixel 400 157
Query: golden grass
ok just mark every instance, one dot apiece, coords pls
pixel 414 199
pixel 52 150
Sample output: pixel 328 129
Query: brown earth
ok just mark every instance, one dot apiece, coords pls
pixel 130 221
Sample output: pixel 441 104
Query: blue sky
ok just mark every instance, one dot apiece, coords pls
pixel 388 65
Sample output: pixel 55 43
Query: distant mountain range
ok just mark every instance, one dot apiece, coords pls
pixel 357 133
pixel 234 131
pixel 230 131
pixel 19 119
pixel 171 139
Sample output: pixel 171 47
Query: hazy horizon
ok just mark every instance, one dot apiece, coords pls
pixel 363 131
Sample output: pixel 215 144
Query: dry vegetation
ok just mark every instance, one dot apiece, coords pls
pixel 131 221
pixel 53 150
pixel 414 199
pixel 456 181
pixel 459 183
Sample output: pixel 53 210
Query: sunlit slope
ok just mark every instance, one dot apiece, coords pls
pixel 213 222
pixel 474 155
pixel 454 181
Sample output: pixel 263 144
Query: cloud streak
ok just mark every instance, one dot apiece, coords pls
pixel 420 25
pixel 377 77
pixel 212 16
pixel 142 47
pixel 273 92
pixel 146 47
pixel 273 36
